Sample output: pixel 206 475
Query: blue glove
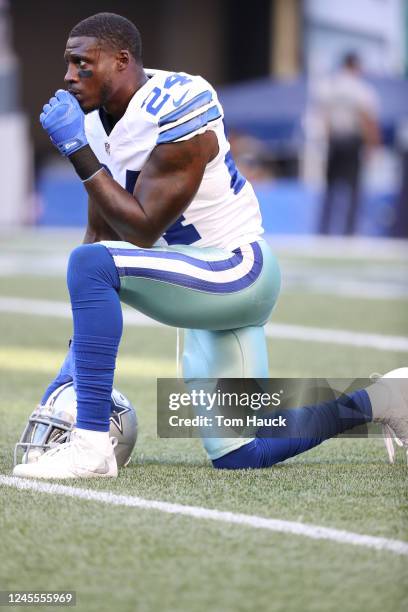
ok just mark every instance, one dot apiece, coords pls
pixel 63 119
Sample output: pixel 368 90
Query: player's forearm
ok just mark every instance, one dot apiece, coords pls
pixel 120 211
pixel 64 121
pixel 97 228
pixel 93 235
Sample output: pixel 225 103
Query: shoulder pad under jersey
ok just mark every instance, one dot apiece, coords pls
pixel 183 105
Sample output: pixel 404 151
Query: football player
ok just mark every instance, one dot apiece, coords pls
pixel 175 231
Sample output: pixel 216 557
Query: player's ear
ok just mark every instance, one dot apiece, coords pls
pixel 123 59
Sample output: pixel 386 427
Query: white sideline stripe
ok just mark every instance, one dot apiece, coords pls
pixel 342 247
pixel 398 344
pixel 49 308
pixel 338 336
pixel 292 527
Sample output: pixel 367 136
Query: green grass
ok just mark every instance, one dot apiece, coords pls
pixel 128 559
pixel 336 312
pixel 122 559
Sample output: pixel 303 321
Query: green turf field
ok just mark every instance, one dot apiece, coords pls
pixel 126 559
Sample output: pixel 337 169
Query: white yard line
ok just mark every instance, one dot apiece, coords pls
pixel 371 280
pixel 315 532
pixel 62 240
pixel 339 247
pixel 299 333
pixel 338 336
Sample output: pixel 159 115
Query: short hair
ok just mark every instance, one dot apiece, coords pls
pixel 351 60
pixel 114 30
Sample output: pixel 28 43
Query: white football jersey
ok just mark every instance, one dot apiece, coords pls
pixel 171 107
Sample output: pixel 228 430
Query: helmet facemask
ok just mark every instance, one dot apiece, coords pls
pixel 51 424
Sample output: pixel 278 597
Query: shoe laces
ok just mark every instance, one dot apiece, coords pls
pixel 58 449
pixel 75 443
pixel 389 439
pixel 388 429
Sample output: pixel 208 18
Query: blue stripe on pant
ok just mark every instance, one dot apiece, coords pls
pixel 96 290
pixel 95 286
pixel 199 288
pixel 172 268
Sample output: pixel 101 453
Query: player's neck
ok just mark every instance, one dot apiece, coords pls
pixel 117 105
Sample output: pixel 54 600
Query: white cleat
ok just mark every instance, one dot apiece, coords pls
pixel 74 459
pixel 389 401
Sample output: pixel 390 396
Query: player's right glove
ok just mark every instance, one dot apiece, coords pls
pixel 63 119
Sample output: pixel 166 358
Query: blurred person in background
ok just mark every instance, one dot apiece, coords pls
pixel 348 107
pixel 399 228
pixel 252 157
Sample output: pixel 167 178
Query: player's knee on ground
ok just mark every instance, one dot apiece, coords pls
pixel 91 262
pixel 248 456
pixel 259 453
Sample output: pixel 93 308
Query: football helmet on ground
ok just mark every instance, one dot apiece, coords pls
pixel 52 424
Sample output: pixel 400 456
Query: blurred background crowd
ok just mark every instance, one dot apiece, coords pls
pixel 315 94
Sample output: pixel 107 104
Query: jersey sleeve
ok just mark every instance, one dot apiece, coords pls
pixel 197 112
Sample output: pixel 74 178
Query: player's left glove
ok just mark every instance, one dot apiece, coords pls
pixel 63 119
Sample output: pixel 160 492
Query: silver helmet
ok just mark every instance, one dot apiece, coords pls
pixel 52 423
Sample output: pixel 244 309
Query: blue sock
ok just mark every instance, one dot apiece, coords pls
pixel 65 375
pixel 305 428
pixel 93 284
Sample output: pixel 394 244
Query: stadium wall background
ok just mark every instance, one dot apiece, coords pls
pixel 224 40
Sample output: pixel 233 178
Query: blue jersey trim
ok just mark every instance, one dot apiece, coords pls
pixel 200 100
pixel 190 126
pixel 237 180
